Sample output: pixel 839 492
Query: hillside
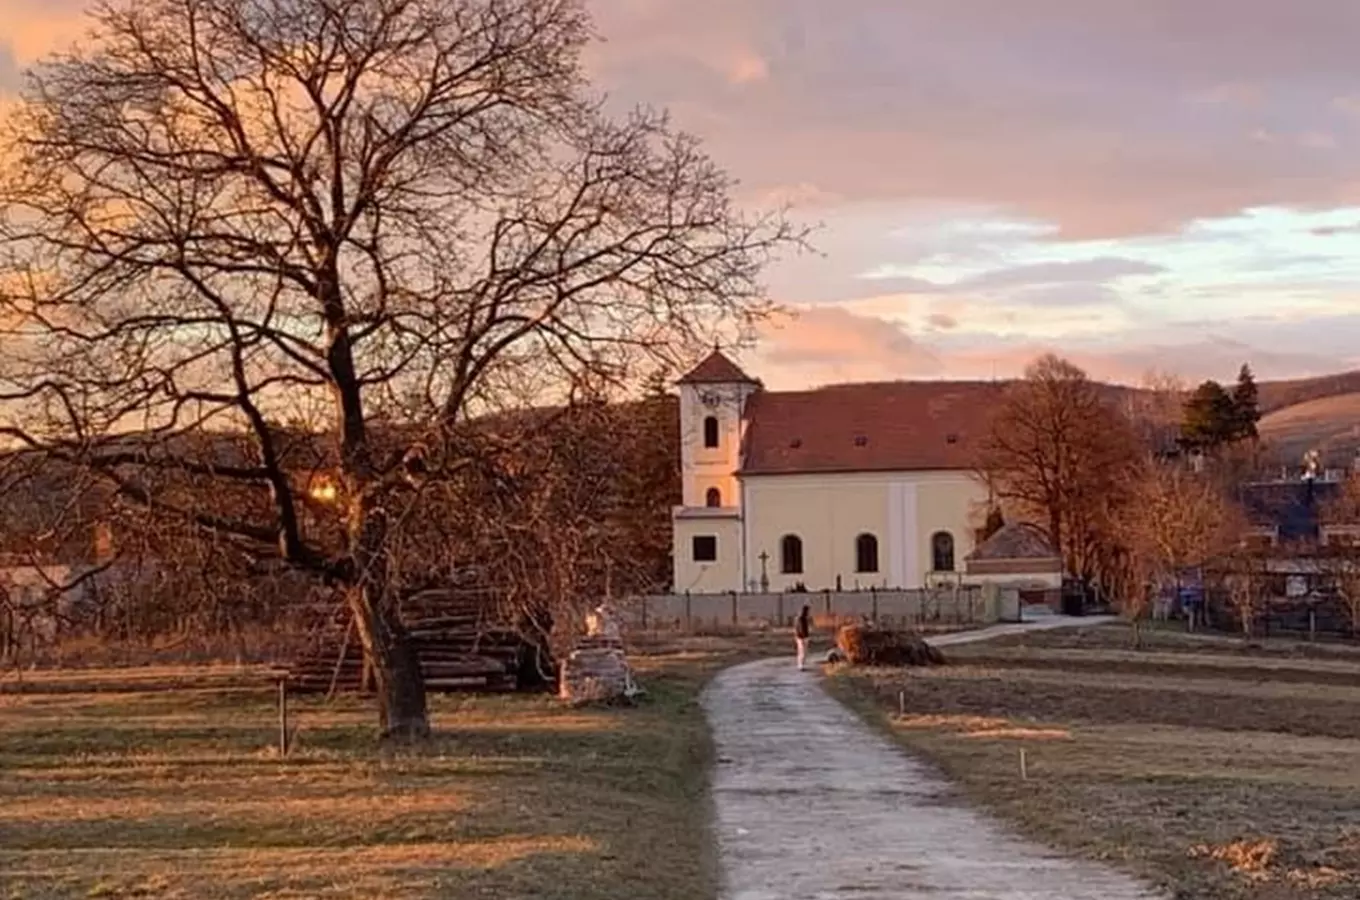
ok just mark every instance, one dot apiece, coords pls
pixel 1277 395
pixel 1329 424
pixel 1302 414
pixel 1299 415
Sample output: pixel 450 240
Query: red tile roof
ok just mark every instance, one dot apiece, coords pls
pixel 717 369
pixel 1015 540
pixel 886 427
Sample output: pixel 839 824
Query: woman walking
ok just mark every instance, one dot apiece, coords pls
pixel 802 628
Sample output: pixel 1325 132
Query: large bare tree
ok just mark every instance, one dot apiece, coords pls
pixel 1059 450
pixel 378 218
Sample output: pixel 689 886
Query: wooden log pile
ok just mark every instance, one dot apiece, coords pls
pixel 459 650
pixel 863 645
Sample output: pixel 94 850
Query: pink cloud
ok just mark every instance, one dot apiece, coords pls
pixel 832 344
pixel 1058 109
pixel 823 344
pixel 1106 119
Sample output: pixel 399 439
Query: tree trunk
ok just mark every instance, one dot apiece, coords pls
pixel 398 681
pixel 536 669
pixel 402 712
pixel 1055 535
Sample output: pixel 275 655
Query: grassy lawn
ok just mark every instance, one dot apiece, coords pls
pixel 1212 770
pixel 152 793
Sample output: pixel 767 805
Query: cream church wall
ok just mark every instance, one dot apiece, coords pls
pixel 829 511
pixel 724 574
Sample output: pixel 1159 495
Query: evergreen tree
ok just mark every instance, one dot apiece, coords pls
pixel 1210 418
pixel 1245 398
pixel 657 383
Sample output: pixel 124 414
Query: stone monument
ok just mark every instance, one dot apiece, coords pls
pixel 597 669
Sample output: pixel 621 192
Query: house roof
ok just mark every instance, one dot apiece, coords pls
pixel 881 427
pixel 717 369
pixel 1017 540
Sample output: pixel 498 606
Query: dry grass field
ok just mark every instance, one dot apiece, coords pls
pixel 112 786
pixel 1215 771
pixel 1327 424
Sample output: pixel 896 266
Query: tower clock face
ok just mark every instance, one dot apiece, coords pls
pixel 709 399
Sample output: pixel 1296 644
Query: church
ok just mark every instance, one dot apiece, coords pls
pixel 846 487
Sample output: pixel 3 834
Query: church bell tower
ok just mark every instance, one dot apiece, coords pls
pixel 708 523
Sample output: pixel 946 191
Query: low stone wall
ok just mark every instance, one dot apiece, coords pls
pixel 701 612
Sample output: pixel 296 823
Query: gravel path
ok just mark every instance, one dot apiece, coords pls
pixel 812 804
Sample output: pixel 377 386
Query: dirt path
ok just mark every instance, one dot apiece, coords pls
pixel 812 804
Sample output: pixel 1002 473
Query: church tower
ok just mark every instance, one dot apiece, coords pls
pixel 707 550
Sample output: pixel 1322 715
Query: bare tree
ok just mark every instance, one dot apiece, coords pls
pixel 1344 567
pixel 1154 410
pixel 1059 450
pixel 380 217
pixel 1247 580
pixel 1174 521
pixel 1341 552
pixel 559 510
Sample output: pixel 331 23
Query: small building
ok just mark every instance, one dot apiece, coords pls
pixel 1287 511
pixel 1019 556
pixel 852 486
pixel 1302 553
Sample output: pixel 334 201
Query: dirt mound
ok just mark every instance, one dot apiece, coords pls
pixel 866 646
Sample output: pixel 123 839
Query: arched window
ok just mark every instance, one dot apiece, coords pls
pixel 711 431
pixel 866 554
pixel 942 551
pixel 713 499
pixel 791 555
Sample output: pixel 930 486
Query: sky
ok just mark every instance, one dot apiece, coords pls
pixel 1162 185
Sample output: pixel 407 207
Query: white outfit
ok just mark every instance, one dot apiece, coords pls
pixel 802 650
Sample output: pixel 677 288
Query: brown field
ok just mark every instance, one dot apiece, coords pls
pixel 1327 424
pixel 1214 771
pixel 1171 637
pixel 115 787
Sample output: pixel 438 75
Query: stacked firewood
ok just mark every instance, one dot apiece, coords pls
pixel 863 645
pixel 458 650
